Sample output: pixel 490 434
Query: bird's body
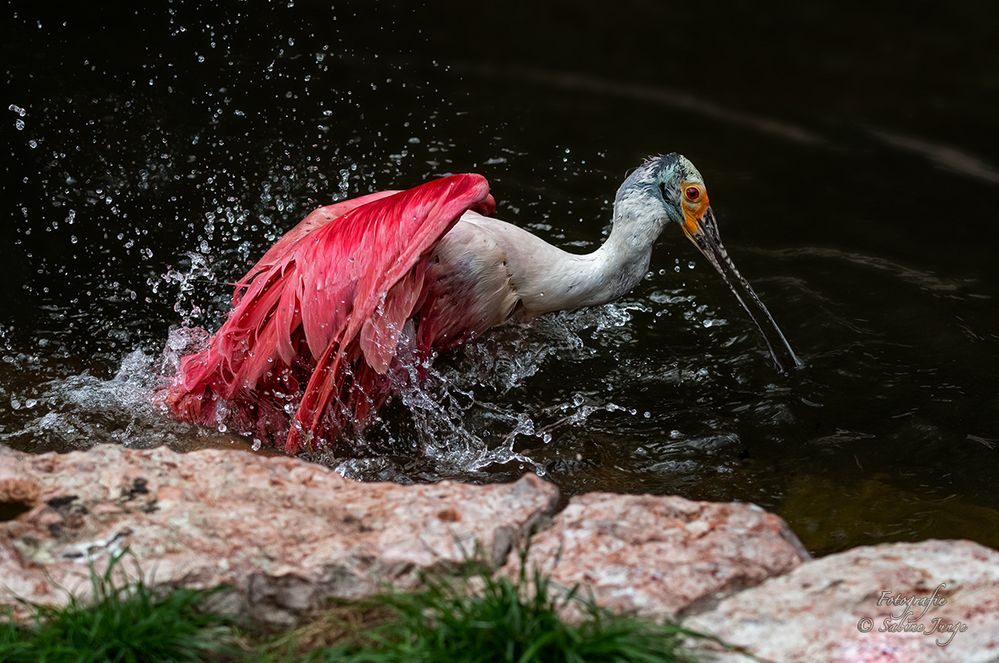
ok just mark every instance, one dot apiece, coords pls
pixel 360 288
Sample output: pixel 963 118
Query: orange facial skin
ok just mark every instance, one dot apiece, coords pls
pixel 693 207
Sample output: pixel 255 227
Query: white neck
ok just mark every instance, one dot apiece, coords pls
pixel 558 280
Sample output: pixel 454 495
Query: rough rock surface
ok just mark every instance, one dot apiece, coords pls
pixel 817 612
pixel 285 534
pixel 661 556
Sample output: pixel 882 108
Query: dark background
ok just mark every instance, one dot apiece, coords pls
pixel 911 85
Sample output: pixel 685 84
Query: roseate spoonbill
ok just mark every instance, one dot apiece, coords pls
pixel 358 288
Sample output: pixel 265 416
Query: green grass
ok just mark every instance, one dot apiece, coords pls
pixel 124 622
pixel 482 618
pixel 472 619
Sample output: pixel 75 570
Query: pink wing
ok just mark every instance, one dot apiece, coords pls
pixel 326 304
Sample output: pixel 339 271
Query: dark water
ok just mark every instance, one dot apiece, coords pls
pixel 851 156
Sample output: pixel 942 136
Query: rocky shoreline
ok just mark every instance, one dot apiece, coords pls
pixel 286 536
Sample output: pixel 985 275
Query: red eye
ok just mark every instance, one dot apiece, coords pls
pixel 692 193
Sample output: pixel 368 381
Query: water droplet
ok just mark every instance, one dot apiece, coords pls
pixel 344 182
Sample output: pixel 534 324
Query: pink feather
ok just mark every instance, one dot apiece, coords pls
pixel 326 306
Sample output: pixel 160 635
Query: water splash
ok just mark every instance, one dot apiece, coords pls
pixel 473 414
pixel 81 410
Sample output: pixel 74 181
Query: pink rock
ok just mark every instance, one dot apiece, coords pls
pixel 820 611
pixel 662 556
pixel 285 534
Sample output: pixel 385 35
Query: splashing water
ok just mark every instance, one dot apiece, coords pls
pixel 83 409
pixel 440 426
pixel 456 422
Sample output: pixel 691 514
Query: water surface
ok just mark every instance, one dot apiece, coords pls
pixel 151 158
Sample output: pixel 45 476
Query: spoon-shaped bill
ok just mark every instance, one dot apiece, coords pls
pixel 705 236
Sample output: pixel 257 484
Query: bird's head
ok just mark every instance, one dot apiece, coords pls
pixel 672 185
pixel 680 188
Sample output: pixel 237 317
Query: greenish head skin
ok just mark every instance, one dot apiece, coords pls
pixel 661 181
pixel 668 190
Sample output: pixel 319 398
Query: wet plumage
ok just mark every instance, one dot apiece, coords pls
pixel 362 287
